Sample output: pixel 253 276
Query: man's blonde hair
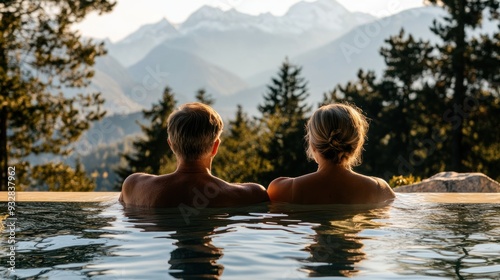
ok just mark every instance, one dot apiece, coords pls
pixel 337 132
pixel 192 130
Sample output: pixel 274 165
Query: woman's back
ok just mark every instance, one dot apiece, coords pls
pixel 335 135
pixel 331 186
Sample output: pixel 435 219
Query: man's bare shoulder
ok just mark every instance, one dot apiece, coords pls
pixel 132 186
pixel 132 178
pixel 137 179
pixel 245 193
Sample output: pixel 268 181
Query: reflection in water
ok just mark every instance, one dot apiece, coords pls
pixel 336 246
pixel 195 255
pixel 451 240
pixel 410 237
pixel 53 238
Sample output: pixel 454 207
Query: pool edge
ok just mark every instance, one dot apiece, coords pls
pixel 113 196
pixel 61 196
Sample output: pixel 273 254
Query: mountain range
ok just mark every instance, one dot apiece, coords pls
pixel 220 51
pixel 234 55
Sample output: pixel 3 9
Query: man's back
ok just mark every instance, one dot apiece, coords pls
pixel 193 190
pixel 194 131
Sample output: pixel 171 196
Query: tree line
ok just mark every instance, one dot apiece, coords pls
pixel 255 149
pixel 435 107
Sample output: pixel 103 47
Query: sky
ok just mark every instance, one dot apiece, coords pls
pixel 129 15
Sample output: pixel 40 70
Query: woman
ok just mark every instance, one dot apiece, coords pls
pixel 335 135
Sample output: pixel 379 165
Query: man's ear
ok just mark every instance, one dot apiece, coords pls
pixel 170 145
pixel 215 147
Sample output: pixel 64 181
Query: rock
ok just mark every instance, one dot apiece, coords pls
pixel 454 182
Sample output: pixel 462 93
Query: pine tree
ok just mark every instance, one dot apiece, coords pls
pixel 482 125
pixel 40 54
pixel 203 97
pixel 283 121
pixel 411 105
pixel 287 93
pixel 152 152
pixel 238 159
pixel 430 108
pixel 60 177
pixel 459 64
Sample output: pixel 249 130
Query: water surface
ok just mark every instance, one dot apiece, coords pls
pixel 412 238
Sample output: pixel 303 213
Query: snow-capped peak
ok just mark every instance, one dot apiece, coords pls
pixel 303 16
pixel 159 30
pixel 328 14
pixel 214 18
pixel 205 13
pixel 324 6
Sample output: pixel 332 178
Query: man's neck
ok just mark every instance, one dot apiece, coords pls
pixel 203 166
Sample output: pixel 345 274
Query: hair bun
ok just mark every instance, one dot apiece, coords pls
pixel 334 142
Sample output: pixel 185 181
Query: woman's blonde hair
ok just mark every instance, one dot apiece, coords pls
pixel 193 129
pixel 337 132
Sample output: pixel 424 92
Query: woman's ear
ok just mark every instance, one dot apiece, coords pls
pixel 314 154
pixel 215 147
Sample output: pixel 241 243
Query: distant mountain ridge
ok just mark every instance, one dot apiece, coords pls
pixel 233 55
pixel 209 32
pixel 184 72
pixel 301 17
pixel 339 61
pixel 213 49
pixel 136 45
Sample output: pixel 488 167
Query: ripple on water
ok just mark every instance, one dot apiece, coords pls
pixel 485 249
pixel 413 238
pixel 483 269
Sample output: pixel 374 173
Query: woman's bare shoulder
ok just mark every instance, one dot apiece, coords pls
pixel 385 191
pixel 281 189
pixel 375 188
pixel 281 181
pixel 381 188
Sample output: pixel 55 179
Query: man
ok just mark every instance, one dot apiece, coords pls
pixel 194 136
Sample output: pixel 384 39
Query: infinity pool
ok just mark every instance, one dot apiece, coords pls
pixel 418 236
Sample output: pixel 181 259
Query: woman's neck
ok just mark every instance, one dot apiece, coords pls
pixel 330 167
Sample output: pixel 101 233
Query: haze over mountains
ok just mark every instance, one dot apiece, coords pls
pixel 234 55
